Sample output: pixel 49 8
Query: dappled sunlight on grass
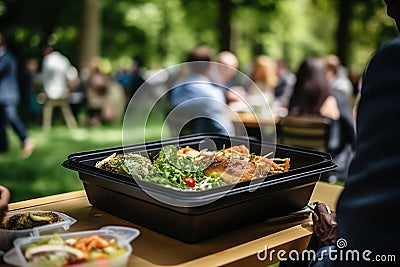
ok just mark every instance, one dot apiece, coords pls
pixel 97 134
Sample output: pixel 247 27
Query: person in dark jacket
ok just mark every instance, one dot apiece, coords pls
pixel 9 99
pixel 366 222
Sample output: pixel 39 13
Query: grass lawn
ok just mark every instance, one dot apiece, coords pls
pixel 42 174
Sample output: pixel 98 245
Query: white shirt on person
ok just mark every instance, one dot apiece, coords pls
pixel 54 75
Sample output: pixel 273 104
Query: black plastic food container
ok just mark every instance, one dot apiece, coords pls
pixel 191 216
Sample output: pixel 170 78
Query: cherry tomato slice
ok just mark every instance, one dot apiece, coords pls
pixel 190 181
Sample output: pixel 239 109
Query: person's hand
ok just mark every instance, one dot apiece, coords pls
pixel 4 199
pixel 324 225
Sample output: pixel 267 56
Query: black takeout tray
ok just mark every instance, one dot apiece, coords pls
pixel 191 216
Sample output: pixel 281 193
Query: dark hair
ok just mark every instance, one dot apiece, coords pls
pixel 2 40
pixel 48 46
pixel 311 88
pixel 203 54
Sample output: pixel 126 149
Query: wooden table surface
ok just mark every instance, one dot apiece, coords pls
pixel 236 248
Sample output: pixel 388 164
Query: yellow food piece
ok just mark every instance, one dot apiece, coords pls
pixel 38 218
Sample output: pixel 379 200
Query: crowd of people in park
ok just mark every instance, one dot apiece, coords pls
pixel 55 83
pixel 48 89
pixel 91 97
pixel 205 92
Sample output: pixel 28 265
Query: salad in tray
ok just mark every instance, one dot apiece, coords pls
pixel 55 251
pixel 189 169
pixel 108 246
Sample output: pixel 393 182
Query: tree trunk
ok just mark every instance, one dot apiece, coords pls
pixel 225 13
pixel 89 40
pixel 343 32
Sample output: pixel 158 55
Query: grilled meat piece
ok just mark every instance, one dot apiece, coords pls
pixel 231 170
pixel 135 165
pixel 237 151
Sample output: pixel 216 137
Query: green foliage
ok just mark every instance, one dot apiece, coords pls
pixel 155 30
pixel 162 32
pixel 28 25
pixel 373 28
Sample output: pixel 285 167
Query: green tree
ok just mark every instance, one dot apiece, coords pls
pixel 162 32
pixel 28 25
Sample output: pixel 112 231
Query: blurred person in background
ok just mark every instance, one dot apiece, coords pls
pixel 131 78
pixel 198 100
pixel 115 103
pixel 96 92
pixel 9 99
pixel 4 199
pixel 226 74
pixel 137 78
pixel 312 96
pixel 264 74
pixel 77 98
pixel 372 190
pixel 56 74
pixel 338 77
pixel 284 89
pixel 30 86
